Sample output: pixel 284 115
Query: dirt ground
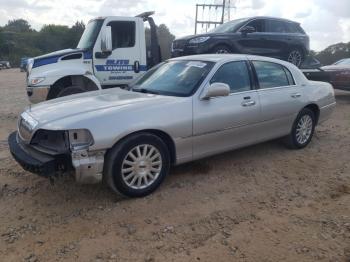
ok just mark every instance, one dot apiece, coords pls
pixel 262 203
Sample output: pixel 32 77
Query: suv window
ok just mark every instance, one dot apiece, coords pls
pixel 276 26
pixel 235 74
pixel 272 75
pixel 258 24
pixel 123 34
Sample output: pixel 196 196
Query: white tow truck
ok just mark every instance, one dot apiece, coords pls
pixel 112 52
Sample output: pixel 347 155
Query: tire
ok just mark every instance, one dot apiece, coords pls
pixel 221 49
pixel 299 137
pixel 70 91
pixel 295 56
pixel 123 173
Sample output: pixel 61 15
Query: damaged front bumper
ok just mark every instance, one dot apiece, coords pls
pixel 86 166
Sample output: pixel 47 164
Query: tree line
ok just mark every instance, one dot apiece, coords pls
pixel 18 39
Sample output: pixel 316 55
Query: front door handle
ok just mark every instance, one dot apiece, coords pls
pixel 296 95
pixel 248 103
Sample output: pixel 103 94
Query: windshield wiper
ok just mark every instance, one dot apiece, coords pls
pixel 146 91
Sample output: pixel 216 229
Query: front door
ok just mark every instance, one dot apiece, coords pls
pixel 223 123
pixel 123 64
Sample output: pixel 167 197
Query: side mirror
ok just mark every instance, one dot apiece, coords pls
pixel 247 30
pixel 215 90
pixel 106 39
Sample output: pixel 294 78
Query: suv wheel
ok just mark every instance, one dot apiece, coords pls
pixel 295 56
pixel 221 49
pixel 302 130
pixel 137 165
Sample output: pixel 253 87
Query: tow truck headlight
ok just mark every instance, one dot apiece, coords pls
pixel 199 40
pixel 80 139
pixel 36 80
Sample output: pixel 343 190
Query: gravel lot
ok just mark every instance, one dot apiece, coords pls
pixel 262 203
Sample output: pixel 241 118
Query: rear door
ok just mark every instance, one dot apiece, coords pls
pixel 279 37
pixel 123 65
pixel 280 97
pixel 223 123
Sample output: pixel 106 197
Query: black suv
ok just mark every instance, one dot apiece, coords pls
pixel 266 36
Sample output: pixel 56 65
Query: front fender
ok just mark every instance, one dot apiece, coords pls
pixel 53 73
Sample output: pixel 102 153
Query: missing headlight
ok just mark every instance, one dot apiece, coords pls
pixel 51 141
pixel 80 139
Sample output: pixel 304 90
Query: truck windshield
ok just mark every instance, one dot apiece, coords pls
pixel 90 34
pixel 174 78
pixel 229 27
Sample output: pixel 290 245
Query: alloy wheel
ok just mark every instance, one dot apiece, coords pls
pixel 141 166
pixel 304 129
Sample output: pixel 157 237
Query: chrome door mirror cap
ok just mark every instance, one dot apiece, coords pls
pixel 106 39
pixel 215 90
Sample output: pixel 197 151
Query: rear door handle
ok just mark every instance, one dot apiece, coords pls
pixel 248 103
pixel 296 95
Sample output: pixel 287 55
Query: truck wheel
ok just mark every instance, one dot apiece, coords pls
pixel 221 49
pixel 70 91
pixel 137 165
pixel 302 130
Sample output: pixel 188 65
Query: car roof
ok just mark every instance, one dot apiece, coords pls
pixel 271 17
pixel 218 58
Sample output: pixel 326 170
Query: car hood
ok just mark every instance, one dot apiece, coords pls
pixel 110 99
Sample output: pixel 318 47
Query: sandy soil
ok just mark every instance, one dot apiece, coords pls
pixel 262 203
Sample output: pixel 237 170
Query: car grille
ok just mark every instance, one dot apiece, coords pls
pixel 24 131
pixel 179 44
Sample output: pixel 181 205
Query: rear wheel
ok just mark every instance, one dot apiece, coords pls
pixel 137 165
pixel 302 130
pixel 296 57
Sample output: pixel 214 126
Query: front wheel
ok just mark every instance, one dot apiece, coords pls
pixel 71 90
pixel 302 130
pixel 221 49
pixel 137 165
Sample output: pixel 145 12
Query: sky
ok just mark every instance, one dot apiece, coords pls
pixel 325 21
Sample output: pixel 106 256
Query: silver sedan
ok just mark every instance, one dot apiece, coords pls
pixel 181 110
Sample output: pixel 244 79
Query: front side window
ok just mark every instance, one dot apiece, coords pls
pixel 123 34
pixel 258 24
pixel 174 78
pixel 271 74
pixel 90 34
pixel 235 75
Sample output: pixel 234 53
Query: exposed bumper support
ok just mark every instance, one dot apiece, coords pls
pixel 88 166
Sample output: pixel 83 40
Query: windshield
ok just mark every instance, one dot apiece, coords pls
pixel 90 34
pixel 343 62
pixel 229 27
pixel 177 78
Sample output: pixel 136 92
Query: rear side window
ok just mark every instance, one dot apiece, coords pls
pixel 234 74
pixel 123 34
pixel 294 28
pixel 276 26
pixel 272 75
